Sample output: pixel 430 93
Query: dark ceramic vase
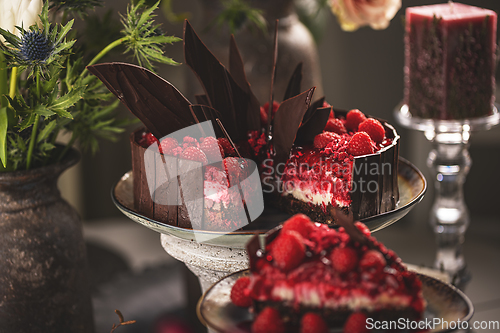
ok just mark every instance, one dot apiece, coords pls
pixel 295 44
pixel 43 266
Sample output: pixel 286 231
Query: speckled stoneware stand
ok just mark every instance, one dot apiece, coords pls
pixel 209 263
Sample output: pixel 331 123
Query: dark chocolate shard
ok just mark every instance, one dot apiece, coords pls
pixel 206 113
pixel 201 99
pixel 312 109
pixel 286 123
pixel 273 77
pixel 222 91
pixel 254 252
pixel 152 99
pixel 237 70
pixel 293 88
pixel 314 126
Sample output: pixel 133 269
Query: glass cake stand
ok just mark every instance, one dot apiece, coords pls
pixel 450 161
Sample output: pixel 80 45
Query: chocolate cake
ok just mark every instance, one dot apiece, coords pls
pixel 306 267
pixel 259 138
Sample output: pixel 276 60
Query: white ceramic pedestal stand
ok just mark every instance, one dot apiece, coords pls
pixel 209 263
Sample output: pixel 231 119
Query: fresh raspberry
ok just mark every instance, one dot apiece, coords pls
pixel 300 223
pixel 360 144
pixel 226 147
pixel 212 150
pixel 323 139
pixel 353 119
pixel 313 323
pixel 344 259
pixel 264 111
pixel 238 296
pixel 235 169
pixel 288 250
pixel 363 228
pixel 268 321
pixel 263 117
pixel 148 139
pixel 335 125
pixel 167 145
pixel 373 128
pixel 356 323
pixel 190 142
pixel 194 154
pixel 372 259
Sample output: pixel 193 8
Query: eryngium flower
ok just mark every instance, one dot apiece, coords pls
pixel 35 47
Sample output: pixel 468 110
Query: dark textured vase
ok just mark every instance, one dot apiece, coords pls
pixel 295 44
pixel 43 266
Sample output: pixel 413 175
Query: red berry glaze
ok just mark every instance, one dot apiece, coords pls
pixel 373 128
pixel 360 144
pixel 356 323
pixel 194 154
pixel 353 119
pixel 300 223
pixel 335 125
pixel 344 259
pixel 238 296
pixel 323 139
pixel 288 250
pixel 212 150
pixel 268 321
pixel 313 323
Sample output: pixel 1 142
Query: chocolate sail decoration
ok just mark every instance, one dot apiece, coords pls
pixel 152 99
pixel 223 93
pixel 286 123
pixel 293 88
pixel 312 109
pixel 237 70
pixel 273 77
pixel 201 99
pixel 204 113
pixel 314 126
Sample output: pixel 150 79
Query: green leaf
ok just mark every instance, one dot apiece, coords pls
pixel 3 135
pixel 44 133
pixel 64 31
pixel 65 102
pixel 42 110
pixel 27 122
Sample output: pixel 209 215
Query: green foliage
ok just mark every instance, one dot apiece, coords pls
pixel 238 13
pixel 58 94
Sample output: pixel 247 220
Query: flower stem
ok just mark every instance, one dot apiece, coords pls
pixel 13 82
pixel 3 80
pixel 103 52
pixel 35 126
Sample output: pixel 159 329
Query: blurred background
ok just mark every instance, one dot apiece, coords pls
pixel 361 69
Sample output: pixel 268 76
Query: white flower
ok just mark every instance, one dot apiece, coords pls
pixel 353 14
pixel 21 13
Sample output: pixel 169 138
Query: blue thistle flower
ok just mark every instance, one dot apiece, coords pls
pixel 35 47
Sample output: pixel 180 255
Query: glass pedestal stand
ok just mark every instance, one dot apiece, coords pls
pixel 450 161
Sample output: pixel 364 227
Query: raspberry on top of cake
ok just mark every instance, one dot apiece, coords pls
pixel 309 268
